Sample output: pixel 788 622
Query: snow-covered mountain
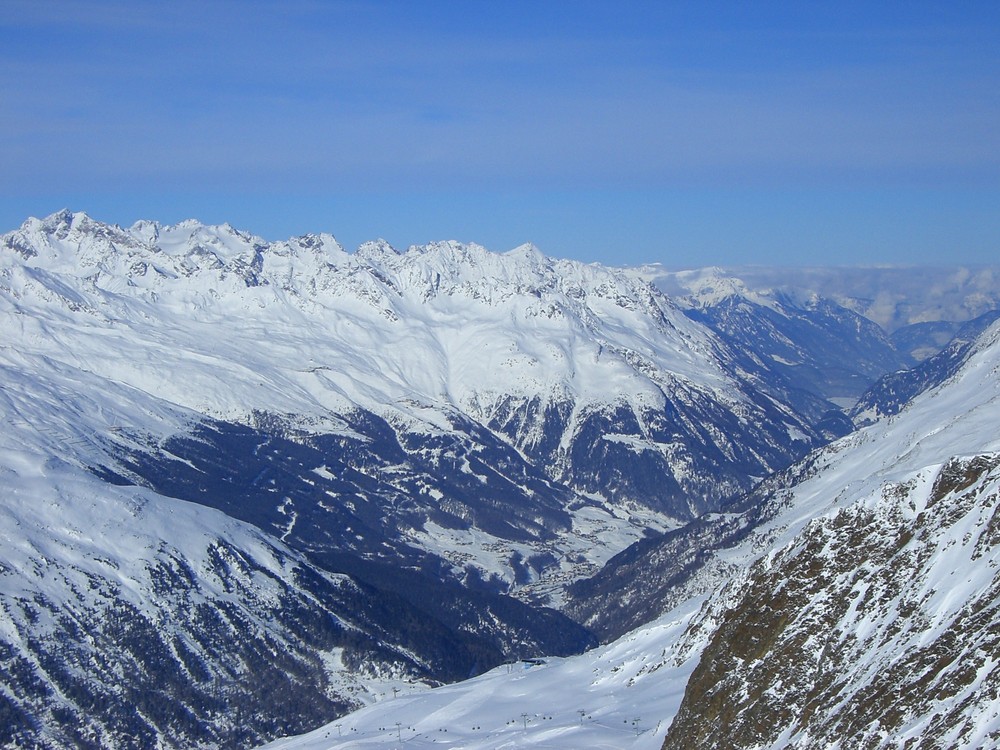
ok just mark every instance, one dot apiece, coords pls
pixel 494 399
pixel 893 391
pixel 129 618
pixel 896 298
pixel 877 627
pixel 858 609
pixel 698 557
pixel 820 354
pixel 251 485
pixel 396 442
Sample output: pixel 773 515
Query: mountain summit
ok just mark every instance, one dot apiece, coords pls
pixel 407 455
pixel 227 457
pixel 571 364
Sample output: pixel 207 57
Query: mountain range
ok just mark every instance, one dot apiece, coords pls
pixel 858 609
pixel 254 485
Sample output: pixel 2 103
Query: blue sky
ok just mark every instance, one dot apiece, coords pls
pixel 686 133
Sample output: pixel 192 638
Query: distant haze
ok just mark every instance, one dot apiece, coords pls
pixel 893 297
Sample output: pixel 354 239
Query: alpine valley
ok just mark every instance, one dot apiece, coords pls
pixel 459 498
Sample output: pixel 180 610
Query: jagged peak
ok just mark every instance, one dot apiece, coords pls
pixel 322 244
pixel 312 239
pixel 525 247
pixel 190 247
pixel 527 251
pixel 375 250
pixel 471 263
pixel 67 239
pixel 65 217
pixel 450 249
pixel 187 224
pixel 712 286
pixel 60 222
pixel 145 230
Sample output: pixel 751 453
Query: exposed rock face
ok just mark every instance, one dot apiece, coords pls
pixel 413 436
pixel 246 481
pixel 879 627
pixel 656 574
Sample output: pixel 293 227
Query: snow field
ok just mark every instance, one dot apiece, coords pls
pixel 626 693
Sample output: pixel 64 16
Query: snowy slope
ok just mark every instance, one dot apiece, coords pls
pixel 130 595
pixel 637 416
pixel 126 613
pixel 955 419
pixel 127 616
pixel 419 319
pixel 102 607
pixel 811 345
pixel 611 698
pixel 860 611
pixel 396 440
pixel 895 390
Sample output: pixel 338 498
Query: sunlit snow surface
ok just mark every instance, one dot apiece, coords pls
pixel 639 680
pixel 617 696
pixel 301 328
pixel 221 324
pixel 88 361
